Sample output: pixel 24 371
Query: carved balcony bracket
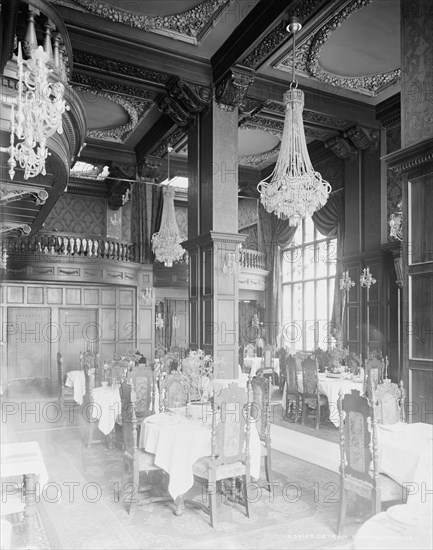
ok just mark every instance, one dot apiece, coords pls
pixel 184 100
pixel 231 89
pixel 22 228
pixel 148 170
pixel 341 147
pixel 363 138
pixel 10 192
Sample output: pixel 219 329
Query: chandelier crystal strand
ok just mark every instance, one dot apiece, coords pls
pixel 294 190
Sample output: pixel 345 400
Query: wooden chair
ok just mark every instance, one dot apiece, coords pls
pixel 174 389
pixel 359 457
pixel 293 395
pixel 135 461
pixel 159 351
pixel 389 402
pixel 268 364
pixel 144 383
pixel 230 454
pixel 261 413
pixel 282 356
pixel 373 375
pixel 90 364
pixel 66 394
pixel 249 350
pixel 311 397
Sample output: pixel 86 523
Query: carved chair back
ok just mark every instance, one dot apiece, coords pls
pixel 175 389
pixel 373 375
pixel 230 426
pixel 249 350
pixel 310 378
pixel 129 419
pixel 268 353
pixel 358 438
pixel 291 376
pixel 60 370
pixel 144 383
pixel 261 406
pixel 387 403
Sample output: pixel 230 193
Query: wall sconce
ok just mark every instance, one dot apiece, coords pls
pixel 396 224
pixel 366 278
pixel 146 296
pixel 175 322
pixel 230 265
pixel 159 323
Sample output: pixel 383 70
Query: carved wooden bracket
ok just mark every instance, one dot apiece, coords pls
pixel 341 147
pixel 184 100
pixel 231 89
pixel 148 170
pixel 118 187
pixel 363 138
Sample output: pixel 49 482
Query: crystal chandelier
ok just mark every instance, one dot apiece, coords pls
pixel 36 114
pixel 166 243
pixel 294 190
pixel 146 296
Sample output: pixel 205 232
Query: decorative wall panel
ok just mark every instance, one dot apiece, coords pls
pixel 15 294
pixel 54 295
pixel 78 214
pixel 108 297
pixel 79 331
pixel 28 342
pixel 73 296
pixel 181 214
pixel 126 222
pixel 91 297
pixel 393 178
pixel 247 213
pixel 35 295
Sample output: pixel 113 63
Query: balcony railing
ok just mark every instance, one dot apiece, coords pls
pixel 252 259
pixel 51 244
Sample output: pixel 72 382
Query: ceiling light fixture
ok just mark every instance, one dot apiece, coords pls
pixel 166 242
pixel 294 190
pixel 36 114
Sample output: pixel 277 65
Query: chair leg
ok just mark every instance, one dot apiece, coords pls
pixel 342 508
pixel 247 504
pixel 297 408
pixel 317 415
pixel 304 412
pixel 211 493
pixel 91 430
pixel 268 467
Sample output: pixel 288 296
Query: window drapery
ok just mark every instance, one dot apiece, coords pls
pixel 329 220
pixel 146 218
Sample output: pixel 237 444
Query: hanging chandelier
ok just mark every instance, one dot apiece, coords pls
pixel 294 190
pixel 166 242
pixel 36 114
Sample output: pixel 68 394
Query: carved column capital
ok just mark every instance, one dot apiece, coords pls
pixel 363 138
pixel 341 147
pixel 184 100
pixel 231 89
pixel 148 169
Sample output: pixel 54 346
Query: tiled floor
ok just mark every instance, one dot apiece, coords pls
pixel 81 508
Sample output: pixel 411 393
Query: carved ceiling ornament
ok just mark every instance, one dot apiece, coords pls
pixel 308 58
pixel 184 100
pixel 172 139
pixel 310 116
pixel 148 169
pixel 190 26
pixel 260 158
pixel 135 108
pixel 99 84
pixel 112 66
pixel 230 91
pixel 272 41
pixel 11 192
pixel 341 147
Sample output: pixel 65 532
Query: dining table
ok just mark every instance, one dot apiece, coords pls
pixel 105 409
pixel 178 441
pixel 331 384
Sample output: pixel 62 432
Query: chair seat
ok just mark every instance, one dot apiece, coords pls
pixel 146 461
pixel 203 465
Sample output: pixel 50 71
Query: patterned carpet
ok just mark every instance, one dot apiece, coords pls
pixel 81 509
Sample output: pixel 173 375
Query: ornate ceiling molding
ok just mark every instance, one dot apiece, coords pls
pixel 308 58
pixel 135 106
pixel 276 38
pixel 189 26
pixel 230 91
pixel 363 138
pixel 172 139
pixel 184 100
pixel 311 117
pixel 10 192
pixel 113 67
pixel 257 160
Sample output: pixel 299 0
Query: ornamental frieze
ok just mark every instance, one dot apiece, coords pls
pixel 190 25
pixel 172 139
pixel 116 67
pixel 257 160
pixel 80 79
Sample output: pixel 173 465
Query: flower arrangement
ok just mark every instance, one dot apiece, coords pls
pixel 200 369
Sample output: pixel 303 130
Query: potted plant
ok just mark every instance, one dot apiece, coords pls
pixel 200 369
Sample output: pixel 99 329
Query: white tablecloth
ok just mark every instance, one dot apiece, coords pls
pixel 75 379
pixel 106 407
pixel 220 383
pixel 406 455
pixel 23 458
pixel 331 388
pixel 178 442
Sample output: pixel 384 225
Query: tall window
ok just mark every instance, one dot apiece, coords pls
pixel 308 278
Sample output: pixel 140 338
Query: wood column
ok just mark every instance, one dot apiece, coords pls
pixel 213 235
